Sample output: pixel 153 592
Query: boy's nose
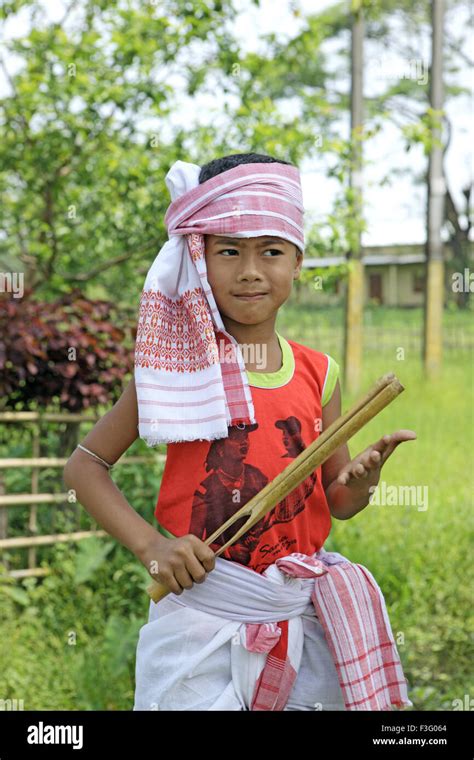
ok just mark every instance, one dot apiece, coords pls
pixel 248 271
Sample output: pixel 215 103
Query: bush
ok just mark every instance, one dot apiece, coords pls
pixel 68 353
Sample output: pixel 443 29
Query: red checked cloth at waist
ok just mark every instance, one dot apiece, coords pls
pixel 346 599
pixel 351 609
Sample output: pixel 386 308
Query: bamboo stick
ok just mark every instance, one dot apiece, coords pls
pixel 54 538
pixel 7 464
pixel 384 390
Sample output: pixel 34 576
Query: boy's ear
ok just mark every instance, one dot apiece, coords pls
pixel 299 263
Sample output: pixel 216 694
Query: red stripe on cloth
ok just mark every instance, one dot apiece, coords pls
pixel 352 660
pixel 351 609
pixel 204 194
pixel 231 378
pixel 181 404
pixel 277 677
pixel 375 705
pixel 149 420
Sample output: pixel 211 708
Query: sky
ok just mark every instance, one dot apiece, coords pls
pixel 395 212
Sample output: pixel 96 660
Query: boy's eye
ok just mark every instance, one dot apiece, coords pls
pixel 271 250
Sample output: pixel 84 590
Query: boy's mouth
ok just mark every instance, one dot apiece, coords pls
pixel 250 296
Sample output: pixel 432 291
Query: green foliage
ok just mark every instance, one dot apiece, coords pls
pixel 84 197
pixel 68 352
pixel 322 278
pixel 76 624
pixel 91 555
pixel 425 132
pixel 84 148
pixel 83 181
pixel 421 559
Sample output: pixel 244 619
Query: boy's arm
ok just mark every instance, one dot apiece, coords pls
pixel 349 484
pixel 112 435
pixel 340 498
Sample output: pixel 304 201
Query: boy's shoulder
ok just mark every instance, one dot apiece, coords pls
pixel 311 353
pixel 317 365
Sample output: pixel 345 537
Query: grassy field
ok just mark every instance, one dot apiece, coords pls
pixel 305 314
pixel 421 557
pixel 68 640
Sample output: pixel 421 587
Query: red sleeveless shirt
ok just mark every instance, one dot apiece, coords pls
pixel 205 482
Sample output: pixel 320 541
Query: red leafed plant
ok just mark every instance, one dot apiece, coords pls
pixel 68 354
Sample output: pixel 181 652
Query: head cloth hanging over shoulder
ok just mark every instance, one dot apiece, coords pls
pixel 189 387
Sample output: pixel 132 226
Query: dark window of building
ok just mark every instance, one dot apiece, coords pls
pixel 375 287
pixel 418 283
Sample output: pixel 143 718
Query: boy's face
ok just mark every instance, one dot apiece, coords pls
pixel 237 266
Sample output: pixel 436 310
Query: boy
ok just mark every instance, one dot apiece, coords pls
pixel 247 636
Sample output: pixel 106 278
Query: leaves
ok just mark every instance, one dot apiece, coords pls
pixel 17 594
pixel 84 190
pixel 68 352
pixel 91 555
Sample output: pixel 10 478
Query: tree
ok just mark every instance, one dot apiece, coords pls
pixel 434 293
pixel 300 69
pixel 82 173
pixel 354 305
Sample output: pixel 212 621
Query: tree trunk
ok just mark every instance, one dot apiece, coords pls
pixel 354 305
pixel 434 293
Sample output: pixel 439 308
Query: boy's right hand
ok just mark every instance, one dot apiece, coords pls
pixel 178 562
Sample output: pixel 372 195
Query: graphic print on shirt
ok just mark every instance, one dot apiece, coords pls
pixel 232 482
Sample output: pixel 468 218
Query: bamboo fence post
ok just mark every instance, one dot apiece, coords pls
pixel 33 517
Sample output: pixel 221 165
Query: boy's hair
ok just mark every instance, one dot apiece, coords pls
pixel 220 165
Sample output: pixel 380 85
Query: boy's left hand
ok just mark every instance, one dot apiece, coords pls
pixel 367 465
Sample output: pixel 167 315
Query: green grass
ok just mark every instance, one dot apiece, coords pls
pixel 386 329
pixel 422 558
pixel 68 641
pixel 307 313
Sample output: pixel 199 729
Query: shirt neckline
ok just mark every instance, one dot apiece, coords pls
pixel 282 376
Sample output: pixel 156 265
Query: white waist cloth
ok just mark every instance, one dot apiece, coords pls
pixel 191 653
pixel 311 632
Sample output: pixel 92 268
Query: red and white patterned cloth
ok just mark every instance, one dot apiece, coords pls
pixel 189 371
pixel 351 608
pixel 236 641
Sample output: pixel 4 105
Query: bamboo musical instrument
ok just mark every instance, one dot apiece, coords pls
pixel 382 393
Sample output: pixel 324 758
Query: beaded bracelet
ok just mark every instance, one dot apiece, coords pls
pixel 109 466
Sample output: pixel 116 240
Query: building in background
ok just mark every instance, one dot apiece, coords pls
pixel 394 275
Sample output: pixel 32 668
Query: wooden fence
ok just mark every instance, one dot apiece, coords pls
pixel 34 499
pixel 383 339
